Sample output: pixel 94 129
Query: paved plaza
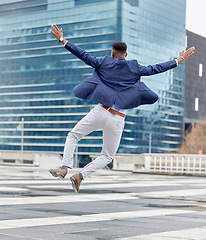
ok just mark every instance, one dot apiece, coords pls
pixel 110 205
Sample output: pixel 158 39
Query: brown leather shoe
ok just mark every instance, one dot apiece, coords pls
pixel 76 181
pixel 59 172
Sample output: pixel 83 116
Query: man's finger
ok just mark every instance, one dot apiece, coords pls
pixel 56 27
pixel 191 49
pixel 53 33
pixel 53 28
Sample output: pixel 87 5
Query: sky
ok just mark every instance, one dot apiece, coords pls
pixel 196 16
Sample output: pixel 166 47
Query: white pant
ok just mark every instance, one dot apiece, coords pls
pixel 97 118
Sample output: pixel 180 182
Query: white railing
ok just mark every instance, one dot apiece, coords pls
pixel 43 160
pixel 164 163
pixel 17 158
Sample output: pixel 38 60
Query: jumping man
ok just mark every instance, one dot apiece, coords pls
pixel 115 85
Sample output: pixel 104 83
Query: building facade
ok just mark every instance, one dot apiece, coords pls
pixel 37 74
pixel 195 81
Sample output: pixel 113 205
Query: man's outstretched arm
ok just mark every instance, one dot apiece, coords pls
pixel 77 51
pixel 162 67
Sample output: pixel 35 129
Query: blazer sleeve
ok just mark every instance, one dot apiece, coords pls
pixel 157 68
pixel 84 56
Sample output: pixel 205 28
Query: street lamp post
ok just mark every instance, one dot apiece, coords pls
pixel 150 142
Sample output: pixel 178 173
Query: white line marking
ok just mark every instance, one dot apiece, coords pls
pixel 175 193
pixel 32 222
pixel 68 198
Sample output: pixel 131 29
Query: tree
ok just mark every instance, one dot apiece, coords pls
pixel 195 140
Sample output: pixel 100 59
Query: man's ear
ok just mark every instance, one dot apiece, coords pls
pixel 112 54
pixel 126 54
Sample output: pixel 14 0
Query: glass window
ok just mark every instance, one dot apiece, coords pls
pixel 196 104
pixel 200 69
pixel 83 2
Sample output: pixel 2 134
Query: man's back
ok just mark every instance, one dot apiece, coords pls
pixel 119 73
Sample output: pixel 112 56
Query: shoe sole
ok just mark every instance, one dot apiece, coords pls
pixel 73 185
pixel 56 174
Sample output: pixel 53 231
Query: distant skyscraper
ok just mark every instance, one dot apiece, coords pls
pixel 37 74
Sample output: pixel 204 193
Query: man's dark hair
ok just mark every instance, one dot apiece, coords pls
pixel 120 46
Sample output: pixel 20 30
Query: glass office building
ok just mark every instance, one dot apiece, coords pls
pixel 37 74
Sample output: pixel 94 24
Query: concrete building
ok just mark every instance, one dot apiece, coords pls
pixel 195 81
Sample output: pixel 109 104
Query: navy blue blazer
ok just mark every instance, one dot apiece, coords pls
pixel 116 81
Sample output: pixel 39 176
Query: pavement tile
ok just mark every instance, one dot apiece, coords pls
pixel 193 234
pixel 68 237
pixel 149 237
pixel 110 205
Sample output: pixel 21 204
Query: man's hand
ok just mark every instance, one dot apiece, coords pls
pixel 57 33
pixel 186 55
